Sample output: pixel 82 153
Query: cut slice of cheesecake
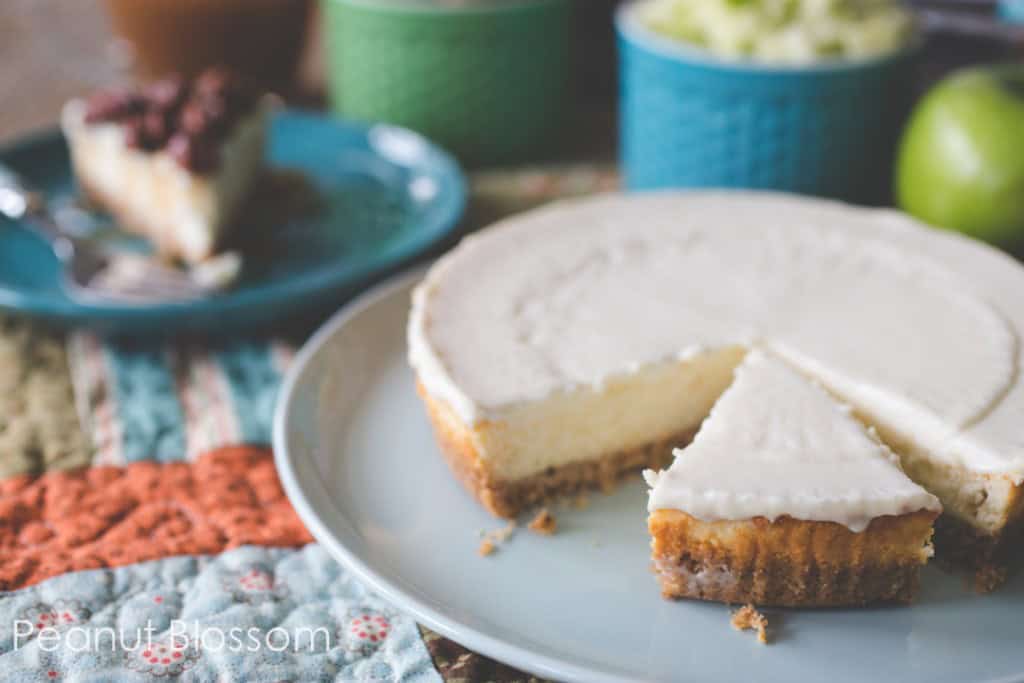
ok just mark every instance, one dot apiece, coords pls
pixel 173 162
pixel 784 498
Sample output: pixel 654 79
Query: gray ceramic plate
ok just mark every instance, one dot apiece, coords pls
pixel 357 459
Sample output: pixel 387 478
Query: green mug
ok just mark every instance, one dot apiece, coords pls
pixel 489 80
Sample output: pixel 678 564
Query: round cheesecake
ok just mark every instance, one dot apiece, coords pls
pixel 566 346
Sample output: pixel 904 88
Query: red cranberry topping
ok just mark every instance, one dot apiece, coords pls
pixel 189 120
pixel 223 85
pixel 112 105
pixel 134 136
pixel 193 119
pixel 219 115
pixel 166 94
pixel 215 81
pixel 194 153
pixel 155 128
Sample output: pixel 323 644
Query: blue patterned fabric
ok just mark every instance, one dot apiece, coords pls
pixel 176 402
pixel 143 384
pixel 253 376
pixel 250 614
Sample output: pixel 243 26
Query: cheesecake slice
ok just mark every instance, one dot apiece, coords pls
pixel 784 498
pixel 173 162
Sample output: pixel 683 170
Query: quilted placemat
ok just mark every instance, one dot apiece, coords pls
pixel 250 614
pixel 39 429
pixel 136 490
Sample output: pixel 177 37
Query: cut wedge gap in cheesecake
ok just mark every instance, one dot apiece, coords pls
pixel 784 498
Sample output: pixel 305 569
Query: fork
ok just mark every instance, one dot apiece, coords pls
pixel 92 273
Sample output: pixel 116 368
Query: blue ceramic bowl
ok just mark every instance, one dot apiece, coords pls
pixel 691 120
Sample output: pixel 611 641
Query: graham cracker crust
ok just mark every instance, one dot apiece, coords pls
pixel 989 558
pixel 747 618
pixel 788 562
pixel 508 499
pixel 781 584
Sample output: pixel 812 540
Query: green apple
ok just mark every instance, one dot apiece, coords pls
pixel 961 160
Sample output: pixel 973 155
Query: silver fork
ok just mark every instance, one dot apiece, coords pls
pixel 92 273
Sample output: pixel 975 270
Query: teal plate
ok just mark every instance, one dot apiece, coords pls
pixel 384 195
pixel 356 456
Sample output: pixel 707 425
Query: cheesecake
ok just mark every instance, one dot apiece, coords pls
pixel 567 346
pixel 785 498
pixel 174 161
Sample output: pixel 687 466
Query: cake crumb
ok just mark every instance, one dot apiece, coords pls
pixel 503 534
pixel 581 502
pixel 544 523
pixel 492 540
pixel 747 617
pixel 989 578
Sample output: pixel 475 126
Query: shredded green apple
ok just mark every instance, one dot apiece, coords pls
pixel 784 31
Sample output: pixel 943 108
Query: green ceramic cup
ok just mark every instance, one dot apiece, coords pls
pixel 489 80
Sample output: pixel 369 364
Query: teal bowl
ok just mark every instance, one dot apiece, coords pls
pixel 688 119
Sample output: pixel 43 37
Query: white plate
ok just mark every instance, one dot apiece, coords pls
pixel 358 462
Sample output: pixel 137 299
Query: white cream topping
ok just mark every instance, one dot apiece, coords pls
pixel 777 444
pixel 914 328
